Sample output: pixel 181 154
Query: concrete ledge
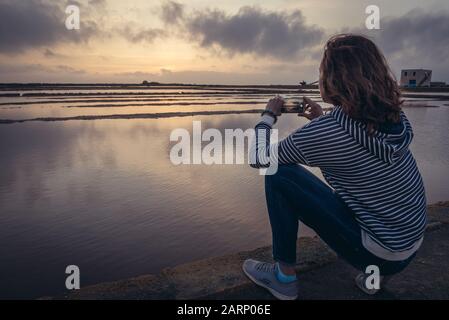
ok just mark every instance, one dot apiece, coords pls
pixel 439 212
pixel 147 287
pixel 222 277
pixel 200 279
pixel 203 278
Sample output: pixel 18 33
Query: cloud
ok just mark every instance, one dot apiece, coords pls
pixel 36 23
pixel 97 3
pixel 26 68
pixel 417 39
pixel 6 68
pixel 251 30
pixel 166 71
pixel 50 53
pixel 41 73
pixel 145 35
pixel 171 12
pixel 418 32
pixel 68 70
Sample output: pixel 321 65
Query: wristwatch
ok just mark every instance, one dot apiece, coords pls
pixel 271 114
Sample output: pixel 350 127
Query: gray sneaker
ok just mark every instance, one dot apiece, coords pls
pixel 264 275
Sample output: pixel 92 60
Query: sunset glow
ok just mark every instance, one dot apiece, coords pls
pixel 278 41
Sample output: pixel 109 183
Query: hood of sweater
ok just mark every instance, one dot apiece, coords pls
pixel 389 143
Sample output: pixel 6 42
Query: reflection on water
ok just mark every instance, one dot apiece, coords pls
pixel 103 195
pixel 431 148
pixel 115 103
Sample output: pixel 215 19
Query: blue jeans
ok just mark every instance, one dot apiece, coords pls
pixel 293 194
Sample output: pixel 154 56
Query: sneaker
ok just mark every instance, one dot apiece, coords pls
pixel 264 275
pixel 360 281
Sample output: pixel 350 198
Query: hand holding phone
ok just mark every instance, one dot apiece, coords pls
pixel 311 109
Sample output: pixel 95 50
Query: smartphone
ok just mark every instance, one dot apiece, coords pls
pixel 293 107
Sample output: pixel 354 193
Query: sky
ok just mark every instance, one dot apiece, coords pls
pixel 209 42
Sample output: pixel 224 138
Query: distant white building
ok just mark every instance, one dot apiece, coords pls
pixel 416 78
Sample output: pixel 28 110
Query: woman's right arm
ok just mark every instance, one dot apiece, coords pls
pixel 262 152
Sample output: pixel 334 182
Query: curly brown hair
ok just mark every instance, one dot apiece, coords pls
pixel 355 75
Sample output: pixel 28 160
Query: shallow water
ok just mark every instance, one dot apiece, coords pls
pixel 104 195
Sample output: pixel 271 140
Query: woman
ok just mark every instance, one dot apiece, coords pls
pixel 374 212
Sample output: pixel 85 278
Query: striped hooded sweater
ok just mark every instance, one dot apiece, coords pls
pixel 375 175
